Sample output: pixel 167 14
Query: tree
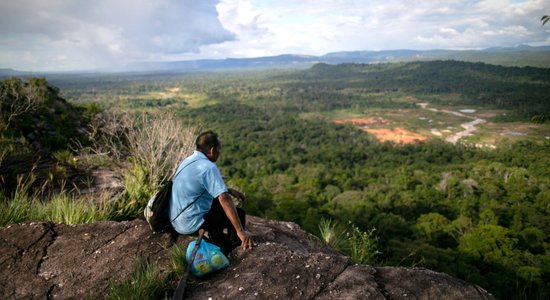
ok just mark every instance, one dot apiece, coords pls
pixel 17 97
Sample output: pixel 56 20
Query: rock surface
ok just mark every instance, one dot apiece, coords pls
pixel 57 261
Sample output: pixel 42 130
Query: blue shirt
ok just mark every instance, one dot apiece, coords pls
pixel 197 179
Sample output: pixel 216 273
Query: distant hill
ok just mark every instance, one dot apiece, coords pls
pixel 521 90
pixel 519 56
pixel 11 72
pixel 267 62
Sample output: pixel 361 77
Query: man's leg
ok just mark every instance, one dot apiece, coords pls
pixel 215 221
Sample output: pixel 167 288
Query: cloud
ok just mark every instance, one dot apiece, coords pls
pixel 103 32
pixel 321 26
pixel 66 34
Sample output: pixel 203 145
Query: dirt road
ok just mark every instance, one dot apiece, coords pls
pixel 469 127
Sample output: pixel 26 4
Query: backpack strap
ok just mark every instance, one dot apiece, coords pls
pixel 192 202
pixel 176 174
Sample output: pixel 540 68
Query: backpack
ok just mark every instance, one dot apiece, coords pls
pixel 157 212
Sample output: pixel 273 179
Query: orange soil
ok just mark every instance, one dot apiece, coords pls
pixel 396 135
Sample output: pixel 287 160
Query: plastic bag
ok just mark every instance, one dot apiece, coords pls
pixel 209 258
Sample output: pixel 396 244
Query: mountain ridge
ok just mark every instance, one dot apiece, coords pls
pixel 520 56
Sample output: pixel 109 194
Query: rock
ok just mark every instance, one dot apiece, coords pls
pixel 56 261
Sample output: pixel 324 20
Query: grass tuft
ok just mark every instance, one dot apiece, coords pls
pixel 333 234
pixel 360 245
pixel 177 259
pixel 60 208
pixel 144 283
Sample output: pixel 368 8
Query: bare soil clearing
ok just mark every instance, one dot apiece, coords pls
pixel 469 125
pixel 397 135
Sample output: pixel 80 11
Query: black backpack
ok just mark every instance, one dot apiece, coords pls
pixel 157 212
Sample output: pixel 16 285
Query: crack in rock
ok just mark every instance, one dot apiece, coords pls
pixel 323 288
pixel 380 285
pixel 126 228
pixel 51 228
pixel 50 291
pixel 48 227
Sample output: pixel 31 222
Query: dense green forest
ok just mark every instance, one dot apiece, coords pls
pixel 479 214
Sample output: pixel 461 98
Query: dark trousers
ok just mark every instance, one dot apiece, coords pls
pixel 216 222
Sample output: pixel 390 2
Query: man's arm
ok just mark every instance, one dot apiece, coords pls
pixel 231 212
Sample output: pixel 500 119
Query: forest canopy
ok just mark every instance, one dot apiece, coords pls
pixel 478 213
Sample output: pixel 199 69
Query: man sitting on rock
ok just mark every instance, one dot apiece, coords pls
pixel 200 198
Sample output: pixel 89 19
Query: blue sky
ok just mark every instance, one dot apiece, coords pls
pixel 58 35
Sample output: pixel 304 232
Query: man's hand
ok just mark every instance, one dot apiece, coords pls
pixel 236 194
pixel 246 238
pixel 231 213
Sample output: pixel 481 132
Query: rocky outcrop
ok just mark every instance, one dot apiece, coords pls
pixel 56 261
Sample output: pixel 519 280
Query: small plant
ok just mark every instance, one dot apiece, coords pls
pixel 21 207
pixel 144 283
pixel 333 234
pixel 362 245
pixel 14 210
pixel 177 259
pixel 65 156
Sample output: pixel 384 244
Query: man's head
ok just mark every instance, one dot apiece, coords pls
pixel 209 144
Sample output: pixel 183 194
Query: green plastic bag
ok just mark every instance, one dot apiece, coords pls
pixel 209 258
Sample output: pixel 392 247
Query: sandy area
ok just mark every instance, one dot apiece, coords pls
pixel 396 135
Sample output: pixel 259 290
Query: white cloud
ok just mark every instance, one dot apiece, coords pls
pixel 106 32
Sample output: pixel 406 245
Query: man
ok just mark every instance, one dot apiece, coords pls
pixel 200 198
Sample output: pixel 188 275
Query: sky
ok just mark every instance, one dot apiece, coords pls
pixel 67 35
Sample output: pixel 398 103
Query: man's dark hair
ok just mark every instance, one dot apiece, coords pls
pixel 207 140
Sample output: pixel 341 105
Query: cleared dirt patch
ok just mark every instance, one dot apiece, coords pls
pixel 396 135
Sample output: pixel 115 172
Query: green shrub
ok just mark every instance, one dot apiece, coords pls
pixel 152 144
pixel 137 191
pixel 362 245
